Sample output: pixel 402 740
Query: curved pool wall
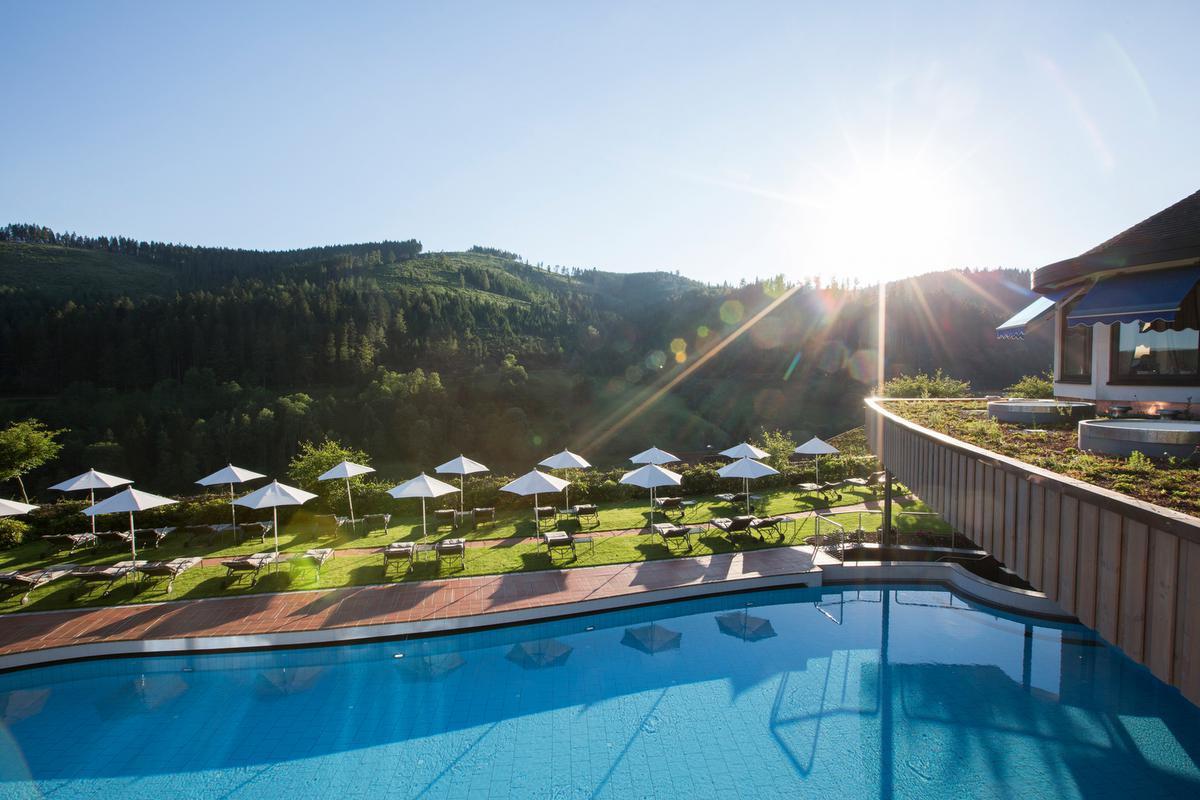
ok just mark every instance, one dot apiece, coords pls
pixel 1039 412
pixel 878 691
pixel 1155 438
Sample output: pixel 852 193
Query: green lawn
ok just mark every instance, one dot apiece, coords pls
pixel 508 553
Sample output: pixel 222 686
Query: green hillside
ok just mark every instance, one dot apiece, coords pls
pixel 164 359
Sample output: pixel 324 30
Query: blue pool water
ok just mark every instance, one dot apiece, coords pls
pixel 834 693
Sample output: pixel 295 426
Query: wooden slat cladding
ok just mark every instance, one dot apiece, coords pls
pixel 1130 570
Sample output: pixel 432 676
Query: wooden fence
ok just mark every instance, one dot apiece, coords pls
pixel 1127 568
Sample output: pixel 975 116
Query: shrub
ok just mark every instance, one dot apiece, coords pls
pixel 938 384
pixel 1033 387
pixel 12 532
pixel 1140 462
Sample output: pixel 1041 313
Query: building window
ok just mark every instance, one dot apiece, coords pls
pixel 1075 363
pixel 1145 352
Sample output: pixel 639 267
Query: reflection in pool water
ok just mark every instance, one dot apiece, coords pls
pixel 883 692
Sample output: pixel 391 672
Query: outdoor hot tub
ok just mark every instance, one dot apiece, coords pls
pixel 1154 437
pixel 1039 412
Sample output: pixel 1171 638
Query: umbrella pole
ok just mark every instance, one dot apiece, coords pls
pixel 424 530
pixel 651 526
pixel 92 497
pixel 537 528
pixel 817 461
pixel 233 512
pixel 132 537
pixel 462 487
pixel 746 491
pixel 275 526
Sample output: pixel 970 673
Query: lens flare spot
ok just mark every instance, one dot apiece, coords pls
pixel 861 366
pixel 680 358
pixel 732 312
pixel 833 357
pixel 769 403
pixel 678 346
pixel 537 439
pixel 768 333
pixel 702 331
pixel 633 373
pixel 655 359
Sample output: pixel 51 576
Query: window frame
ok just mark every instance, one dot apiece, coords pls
pixel 1114 379
pixel 1062 348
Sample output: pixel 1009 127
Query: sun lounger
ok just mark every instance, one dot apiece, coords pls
pixel 249 565
pixel 670 532
pixel 167 569
pixel 318 556
pixel 399 551
pixel 443 516
pixel 118 538
pixel 106 576
pixel 545 516
pixel 587 512
pixel 808 488
pixel 831 486
pixel 733 527
pixel 452 548
pixel 69 541
pixel 152 537
pixel 561 540
pixel 251 530
pixel 34 578
pixel 481 515
pixel 386 519
pixel 769 523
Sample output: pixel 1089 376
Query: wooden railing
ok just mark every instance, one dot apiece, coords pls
pixel 1127 568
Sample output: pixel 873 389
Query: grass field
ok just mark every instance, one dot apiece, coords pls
pixel 510 550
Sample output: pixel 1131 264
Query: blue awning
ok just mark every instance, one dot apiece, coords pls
pixel 1136 297
pixel 1027 317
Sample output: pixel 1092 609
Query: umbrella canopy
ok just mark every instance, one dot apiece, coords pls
pixel 230 475
pixel 346 470
pixel 746 469
pixel 565 460
pixel 650 477
pixel 540 654
pixel 90 481
pixel 534 483
pixel 652 638
pixel 421 486
pixel 272 496
pixel 744 450
pixel 127 502
pixel 745 627
pixel 653 456
pixel 816 448
pixel 462 467
pixel 9 508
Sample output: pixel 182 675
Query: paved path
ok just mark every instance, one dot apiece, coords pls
pixel 387 603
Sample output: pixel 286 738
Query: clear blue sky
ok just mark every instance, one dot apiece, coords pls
pixel 720 140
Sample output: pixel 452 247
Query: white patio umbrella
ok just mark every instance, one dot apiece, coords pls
pixel 654 456
pixel 10 508
pixel 129 501
pixel 462 467
pixel 534 483
pixel 91 480
pixel 745 450
pixel 346 470
pixel 272 496
pixel 747 469
pixel 649 477
pixel 231 475
pixel 565 460
pixel 421 486
pixel 816 448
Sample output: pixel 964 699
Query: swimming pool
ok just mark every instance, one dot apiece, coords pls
pixel 883 691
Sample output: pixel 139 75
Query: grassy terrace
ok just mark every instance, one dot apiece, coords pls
pixel 1172 483
pixel 504 548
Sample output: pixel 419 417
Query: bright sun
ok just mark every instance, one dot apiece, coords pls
pixel 883 221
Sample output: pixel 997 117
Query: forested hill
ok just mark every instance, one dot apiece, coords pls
pixel 165 359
